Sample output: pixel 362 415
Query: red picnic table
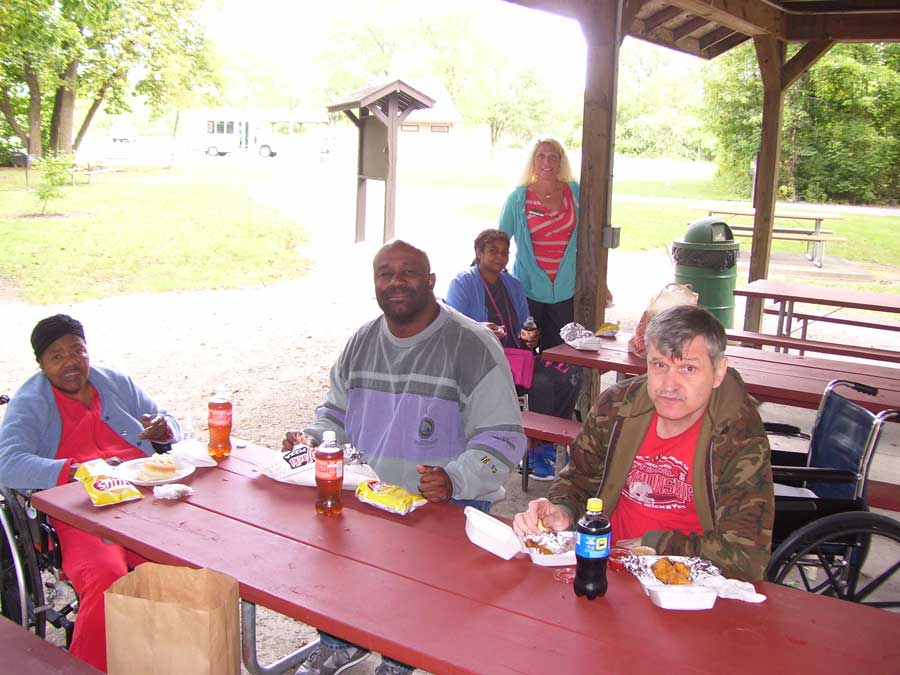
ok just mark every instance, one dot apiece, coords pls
pixel 775 377
pixel 416 589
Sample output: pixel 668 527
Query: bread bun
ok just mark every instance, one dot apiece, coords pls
pixel 157 467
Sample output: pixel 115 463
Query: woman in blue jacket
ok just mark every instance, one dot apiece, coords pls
pixel 487 293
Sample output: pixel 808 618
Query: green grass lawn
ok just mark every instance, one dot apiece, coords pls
pixel 147 230
pixel 141 231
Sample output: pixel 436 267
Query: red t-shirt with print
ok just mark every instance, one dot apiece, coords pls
pixel 658 493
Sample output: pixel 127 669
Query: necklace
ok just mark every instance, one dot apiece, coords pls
pixel 552 192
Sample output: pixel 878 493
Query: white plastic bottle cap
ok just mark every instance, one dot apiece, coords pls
pixel 328 436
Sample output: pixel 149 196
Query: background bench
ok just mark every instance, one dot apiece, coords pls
pixel 803 345
pixel 815 237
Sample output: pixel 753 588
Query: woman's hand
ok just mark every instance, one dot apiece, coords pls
pixel 498 331
pixel 156 429
pixel 533 339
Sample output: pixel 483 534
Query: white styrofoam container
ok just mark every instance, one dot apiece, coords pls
pixel 491 534
pixel 682 597
pixel 499 538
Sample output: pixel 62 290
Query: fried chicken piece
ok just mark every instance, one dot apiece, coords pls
pixel 672 573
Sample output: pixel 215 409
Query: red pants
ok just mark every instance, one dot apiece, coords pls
pixel 92 565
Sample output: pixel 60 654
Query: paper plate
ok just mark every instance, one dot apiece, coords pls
pixel 129 471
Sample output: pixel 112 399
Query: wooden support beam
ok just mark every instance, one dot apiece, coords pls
pixel 844 27
pixel 749 18
pixel 602 30
pixel 803 61
pixel 770 54
pixel 390 186
pixel 630 10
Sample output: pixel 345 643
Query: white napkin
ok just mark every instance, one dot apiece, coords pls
pixel 732 589
pixel 172 491
pixel 193 452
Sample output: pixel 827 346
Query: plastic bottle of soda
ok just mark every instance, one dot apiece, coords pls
pixel 592 544
pixel 329 476
pixel 529 328
pixel 219 427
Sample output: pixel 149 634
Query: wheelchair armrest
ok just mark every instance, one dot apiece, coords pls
pixel 781 429
pixel 805 473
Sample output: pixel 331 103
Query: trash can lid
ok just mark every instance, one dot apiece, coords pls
pixel 708 233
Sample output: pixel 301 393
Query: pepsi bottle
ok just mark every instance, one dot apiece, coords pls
pixel 592 544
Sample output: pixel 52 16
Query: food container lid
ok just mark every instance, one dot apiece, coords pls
pixel 491 534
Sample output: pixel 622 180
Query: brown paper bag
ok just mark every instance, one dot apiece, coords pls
pixel 162 619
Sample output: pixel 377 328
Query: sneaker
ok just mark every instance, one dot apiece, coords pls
pixel 325 661
pixel 540 468
pixel 387 667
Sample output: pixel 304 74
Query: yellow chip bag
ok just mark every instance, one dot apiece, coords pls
pixel 387 497
pixel 103 486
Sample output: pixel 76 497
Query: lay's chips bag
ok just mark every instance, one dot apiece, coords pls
pixel 103 486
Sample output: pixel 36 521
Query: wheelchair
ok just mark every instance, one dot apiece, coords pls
pixel 33 591
pixel 825 539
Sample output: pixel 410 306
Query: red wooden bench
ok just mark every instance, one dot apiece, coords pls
pixel 881 495
pixel 25 652
pixel 546 428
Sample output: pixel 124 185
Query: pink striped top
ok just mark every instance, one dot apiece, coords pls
pixel 550 230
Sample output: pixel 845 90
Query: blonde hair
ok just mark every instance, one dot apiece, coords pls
pixel 565 169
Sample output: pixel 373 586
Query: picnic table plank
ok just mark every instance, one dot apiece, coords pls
pixel 25 652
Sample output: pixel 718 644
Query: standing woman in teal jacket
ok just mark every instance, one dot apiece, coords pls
pixel 541 215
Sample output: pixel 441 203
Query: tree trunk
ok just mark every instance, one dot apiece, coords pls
pixel 89 117
pixel 64 112
pixel 34 111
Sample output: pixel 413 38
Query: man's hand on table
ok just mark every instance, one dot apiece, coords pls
pixel 292 438
pixel 434 483
pixel 551 516
pixel 155 428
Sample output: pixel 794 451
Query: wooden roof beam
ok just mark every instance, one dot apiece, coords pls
pixel 723 46
pixel 659 18
pixel 847 27
pixel 689 27
pixel 749 18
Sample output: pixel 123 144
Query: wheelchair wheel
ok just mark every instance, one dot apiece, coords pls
pixel 852 556
pixel 21 586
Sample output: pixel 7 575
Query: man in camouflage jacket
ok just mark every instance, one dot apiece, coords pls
pixel 733 492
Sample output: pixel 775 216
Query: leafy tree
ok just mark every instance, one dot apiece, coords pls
pixel 55 51
pixel 841 135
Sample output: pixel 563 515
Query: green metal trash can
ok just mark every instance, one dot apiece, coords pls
pixel 707 260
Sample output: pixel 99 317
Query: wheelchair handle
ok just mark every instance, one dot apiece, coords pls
pixel 864 389
pixel 4 399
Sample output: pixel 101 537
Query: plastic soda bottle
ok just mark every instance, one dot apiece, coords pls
pixel 592 545
pixel 529 328
pixel 329 476
pixel 219 427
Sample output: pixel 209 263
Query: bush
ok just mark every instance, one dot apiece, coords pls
pixel 55 172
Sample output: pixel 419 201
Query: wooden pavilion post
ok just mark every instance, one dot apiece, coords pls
pixel 600 22
pixel 777 76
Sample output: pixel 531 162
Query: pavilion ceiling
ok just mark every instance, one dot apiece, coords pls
pixel 707 28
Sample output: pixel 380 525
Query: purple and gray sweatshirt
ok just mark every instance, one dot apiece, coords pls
pixel 444 397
